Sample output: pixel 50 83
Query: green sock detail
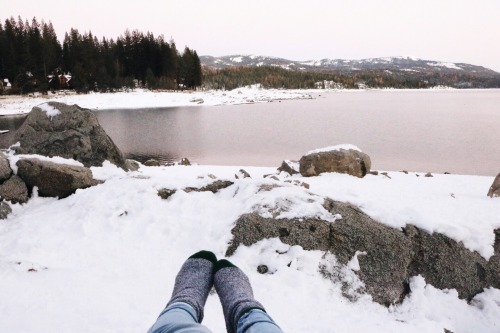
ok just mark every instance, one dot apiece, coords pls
pixel 205 255
pixel 222 264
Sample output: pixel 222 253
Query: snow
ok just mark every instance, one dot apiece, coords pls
pixel 105 258
pixel 333 148
pixel 444 64
pixel 237 59
pixel 148 99
pixel 49 110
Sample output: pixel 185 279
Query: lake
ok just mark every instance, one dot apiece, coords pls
pixel 455 131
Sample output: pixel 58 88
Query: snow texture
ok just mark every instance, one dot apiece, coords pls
pixel 333 148
pixel 49 110
pixel 105 258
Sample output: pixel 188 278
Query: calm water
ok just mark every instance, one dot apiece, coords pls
pixel 437 131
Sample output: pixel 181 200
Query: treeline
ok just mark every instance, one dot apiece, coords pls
pixel 33 59
pixel 280 78
pixel 269 77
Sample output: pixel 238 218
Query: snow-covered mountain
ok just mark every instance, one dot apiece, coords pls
pixel 405 64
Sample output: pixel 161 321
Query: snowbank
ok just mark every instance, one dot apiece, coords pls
pixel 147 99
pixel 105 258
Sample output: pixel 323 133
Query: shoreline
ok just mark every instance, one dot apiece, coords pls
pixel 143 98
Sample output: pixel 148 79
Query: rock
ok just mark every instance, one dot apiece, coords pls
pixel 447 264
pixel 132 165
pixel 291 167
pixel 212 187
pixel 184 161
pixel 375 173
pixel 242 174
pixel 14 190
pixel 5 170
pixel 166 193
pixel 392 255
pixel 262 269
pixel 52 179
pixel 428 174
pixel 385 174
pixel 152 162
pixel 349 161
pixel 273 177
pixel 5 210
pixel 495 187
pixel 57 129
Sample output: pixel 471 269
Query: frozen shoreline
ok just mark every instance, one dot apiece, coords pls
pixel 139 98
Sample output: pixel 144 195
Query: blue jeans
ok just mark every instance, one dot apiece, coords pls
pixel 181 318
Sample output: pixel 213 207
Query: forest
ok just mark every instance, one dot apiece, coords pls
pixel 32 59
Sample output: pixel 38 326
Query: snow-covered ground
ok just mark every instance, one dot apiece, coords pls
pixel 147 99
pixel 105 258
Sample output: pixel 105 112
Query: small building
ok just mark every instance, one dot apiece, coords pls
pixel 6 84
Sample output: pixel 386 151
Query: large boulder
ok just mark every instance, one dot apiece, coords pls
pixel 53 179
pixel 390 256
pixel 495 187
pixel 14 190
pixel 341 159
pixel 57 129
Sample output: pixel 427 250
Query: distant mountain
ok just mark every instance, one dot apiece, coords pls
pixel 395 72
pixel 398 64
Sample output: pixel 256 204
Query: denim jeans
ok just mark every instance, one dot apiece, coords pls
pixel 181 318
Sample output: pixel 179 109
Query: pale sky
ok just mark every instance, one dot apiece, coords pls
pixel 444 30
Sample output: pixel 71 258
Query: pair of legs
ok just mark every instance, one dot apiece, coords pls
pixel 201 271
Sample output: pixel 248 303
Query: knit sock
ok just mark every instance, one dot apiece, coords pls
pixel 235 293
pixel 194 281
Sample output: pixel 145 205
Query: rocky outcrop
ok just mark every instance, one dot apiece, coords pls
pixel 57 129
pixel 392 255
pixel 350 161
pixel 495 187
pixel 52 179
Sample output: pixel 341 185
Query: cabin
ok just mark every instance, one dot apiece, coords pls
pixel 6 84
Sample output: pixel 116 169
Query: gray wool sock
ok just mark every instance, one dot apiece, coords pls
pixel 235 293
pixel 194 281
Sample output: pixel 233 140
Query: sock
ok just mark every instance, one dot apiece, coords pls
pixel 194 281
pixel 235 293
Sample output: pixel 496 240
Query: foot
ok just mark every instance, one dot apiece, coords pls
pixel 194 281
pixel 235 293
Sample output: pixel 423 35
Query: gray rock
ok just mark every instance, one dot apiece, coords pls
pixel 351 162
pixel 5 210
pixel 132 165
pixel 495 187
pixel 14 190
pixel 212 187
pixel 52 179
pixel 290 167
pixel 152 162
pixel 184 161
pixel 73 133
pixel 392 255
pixel 242 174
pixel 5 170
pixel 447 264
pixel 166 193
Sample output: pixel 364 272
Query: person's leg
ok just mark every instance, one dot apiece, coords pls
pixel 257 321
pixel 184 311
pixel 243 314
pixel 178 318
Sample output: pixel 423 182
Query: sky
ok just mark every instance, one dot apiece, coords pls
pixel 443 30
